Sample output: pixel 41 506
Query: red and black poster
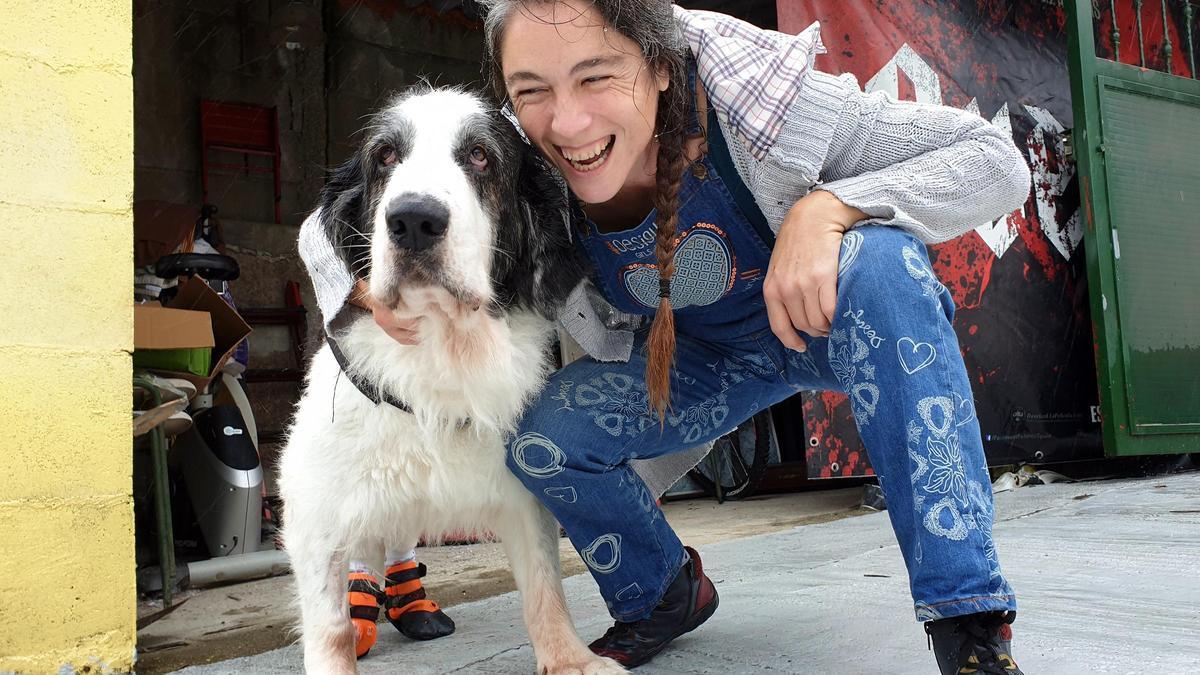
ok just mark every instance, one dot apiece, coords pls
pixel 1019 282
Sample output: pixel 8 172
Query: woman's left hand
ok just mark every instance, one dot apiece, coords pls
pixel 801 285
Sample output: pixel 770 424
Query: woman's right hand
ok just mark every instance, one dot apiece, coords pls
pixel 402 331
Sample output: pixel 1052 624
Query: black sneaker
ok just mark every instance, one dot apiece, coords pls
pixel 689 601
pixel 974 644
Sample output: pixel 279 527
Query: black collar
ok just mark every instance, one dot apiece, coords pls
pixel 361 385
pixel 364 388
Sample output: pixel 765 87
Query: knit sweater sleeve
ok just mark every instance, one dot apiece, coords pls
pixel 931 170
pixel 330 276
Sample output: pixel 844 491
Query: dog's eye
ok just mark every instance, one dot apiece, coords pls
pixel 386 155
pixel 479 157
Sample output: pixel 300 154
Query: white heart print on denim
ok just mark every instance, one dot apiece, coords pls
pixel 705 269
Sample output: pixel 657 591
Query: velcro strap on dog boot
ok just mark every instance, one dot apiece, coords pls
pixel 408 608
pixel 364 596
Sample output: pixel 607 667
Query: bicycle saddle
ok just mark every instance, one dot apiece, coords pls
pixel 211 266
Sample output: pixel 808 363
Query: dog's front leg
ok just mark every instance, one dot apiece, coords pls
pixel 320 573
pixel 530 537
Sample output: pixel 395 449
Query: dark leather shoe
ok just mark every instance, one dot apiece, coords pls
pixel 689 601
pixel 974 643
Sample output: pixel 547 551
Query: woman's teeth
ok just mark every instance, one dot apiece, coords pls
pixel 590 158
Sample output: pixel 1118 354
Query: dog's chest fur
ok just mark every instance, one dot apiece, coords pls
pixel 373 461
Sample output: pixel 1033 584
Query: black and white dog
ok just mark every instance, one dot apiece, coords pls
pixel 449 216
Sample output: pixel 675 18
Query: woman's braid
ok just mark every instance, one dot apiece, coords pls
pixel 660 344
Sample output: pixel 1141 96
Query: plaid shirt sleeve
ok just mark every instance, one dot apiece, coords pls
pixel 751 75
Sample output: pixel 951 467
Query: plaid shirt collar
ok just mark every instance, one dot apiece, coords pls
pixel 751 75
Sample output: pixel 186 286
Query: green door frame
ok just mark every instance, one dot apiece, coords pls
pixel 1091 79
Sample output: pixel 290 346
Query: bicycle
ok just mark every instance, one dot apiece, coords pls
pixel 737 463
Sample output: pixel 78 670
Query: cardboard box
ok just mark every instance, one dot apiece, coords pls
pixel 158 327
pixel 228 327
pixel 172 339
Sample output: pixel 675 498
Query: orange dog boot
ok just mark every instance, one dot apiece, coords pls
pixel 408 609
pixel 364 598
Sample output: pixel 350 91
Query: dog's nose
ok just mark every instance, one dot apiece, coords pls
pixel 417 222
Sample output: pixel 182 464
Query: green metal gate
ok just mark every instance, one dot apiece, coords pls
pixel 1137 148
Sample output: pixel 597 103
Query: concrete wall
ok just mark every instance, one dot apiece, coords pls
pixel 377 48
pixel 66 180
pixel 233 51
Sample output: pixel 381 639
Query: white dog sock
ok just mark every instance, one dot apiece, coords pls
pixel 394 556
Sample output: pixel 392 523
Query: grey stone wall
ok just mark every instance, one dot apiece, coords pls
pixel 377 48
pixel 233 51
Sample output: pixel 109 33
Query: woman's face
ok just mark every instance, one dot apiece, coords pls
pixel 584 95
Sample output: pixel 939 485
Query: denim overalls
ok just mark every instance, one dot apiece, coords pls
pixel 891 349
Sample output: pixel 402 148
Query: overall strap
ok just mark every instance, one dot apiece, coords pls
pixel 718 152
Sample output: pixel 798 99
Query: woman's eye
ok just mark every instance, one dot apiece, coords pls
pixel 386 156
pixel 596 79
pixel 479 157
pixel 530 93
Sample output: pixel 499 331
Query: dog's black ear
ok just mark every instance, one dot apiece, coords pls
pixel 548 263
pixel 343 209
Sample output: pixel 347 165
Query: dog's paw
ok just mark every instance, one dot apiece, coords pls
pixel 603 666
pixel 591 665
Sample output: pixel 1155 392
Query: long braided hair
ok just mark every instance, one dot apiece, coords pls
pixel 651 25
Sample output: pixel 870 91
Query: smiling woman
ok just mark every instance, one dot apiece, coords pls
pixel 621 97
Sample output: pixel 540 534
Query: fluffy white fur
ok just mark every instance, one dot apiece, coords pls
pixel 355 475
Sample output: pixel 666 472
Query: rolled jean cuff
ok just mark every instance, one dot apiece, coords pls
pixel 964 606
pixel 643 611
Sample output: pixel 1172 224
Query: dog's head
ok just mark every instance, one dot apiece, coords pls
pixel 446 209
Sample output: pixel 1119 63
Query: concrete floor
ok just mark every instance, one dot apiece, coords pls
pixel 1106 573
pixel 249 618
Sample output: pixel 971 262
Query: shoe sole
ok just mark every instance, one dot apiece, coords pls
pixel 692 624
pixel 426 637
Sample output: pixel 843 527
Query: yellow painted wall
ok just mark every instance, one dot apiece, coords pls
pixel 67 589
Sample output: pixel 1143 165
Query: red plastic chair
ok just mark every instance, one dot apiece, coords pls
pixel 242 129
